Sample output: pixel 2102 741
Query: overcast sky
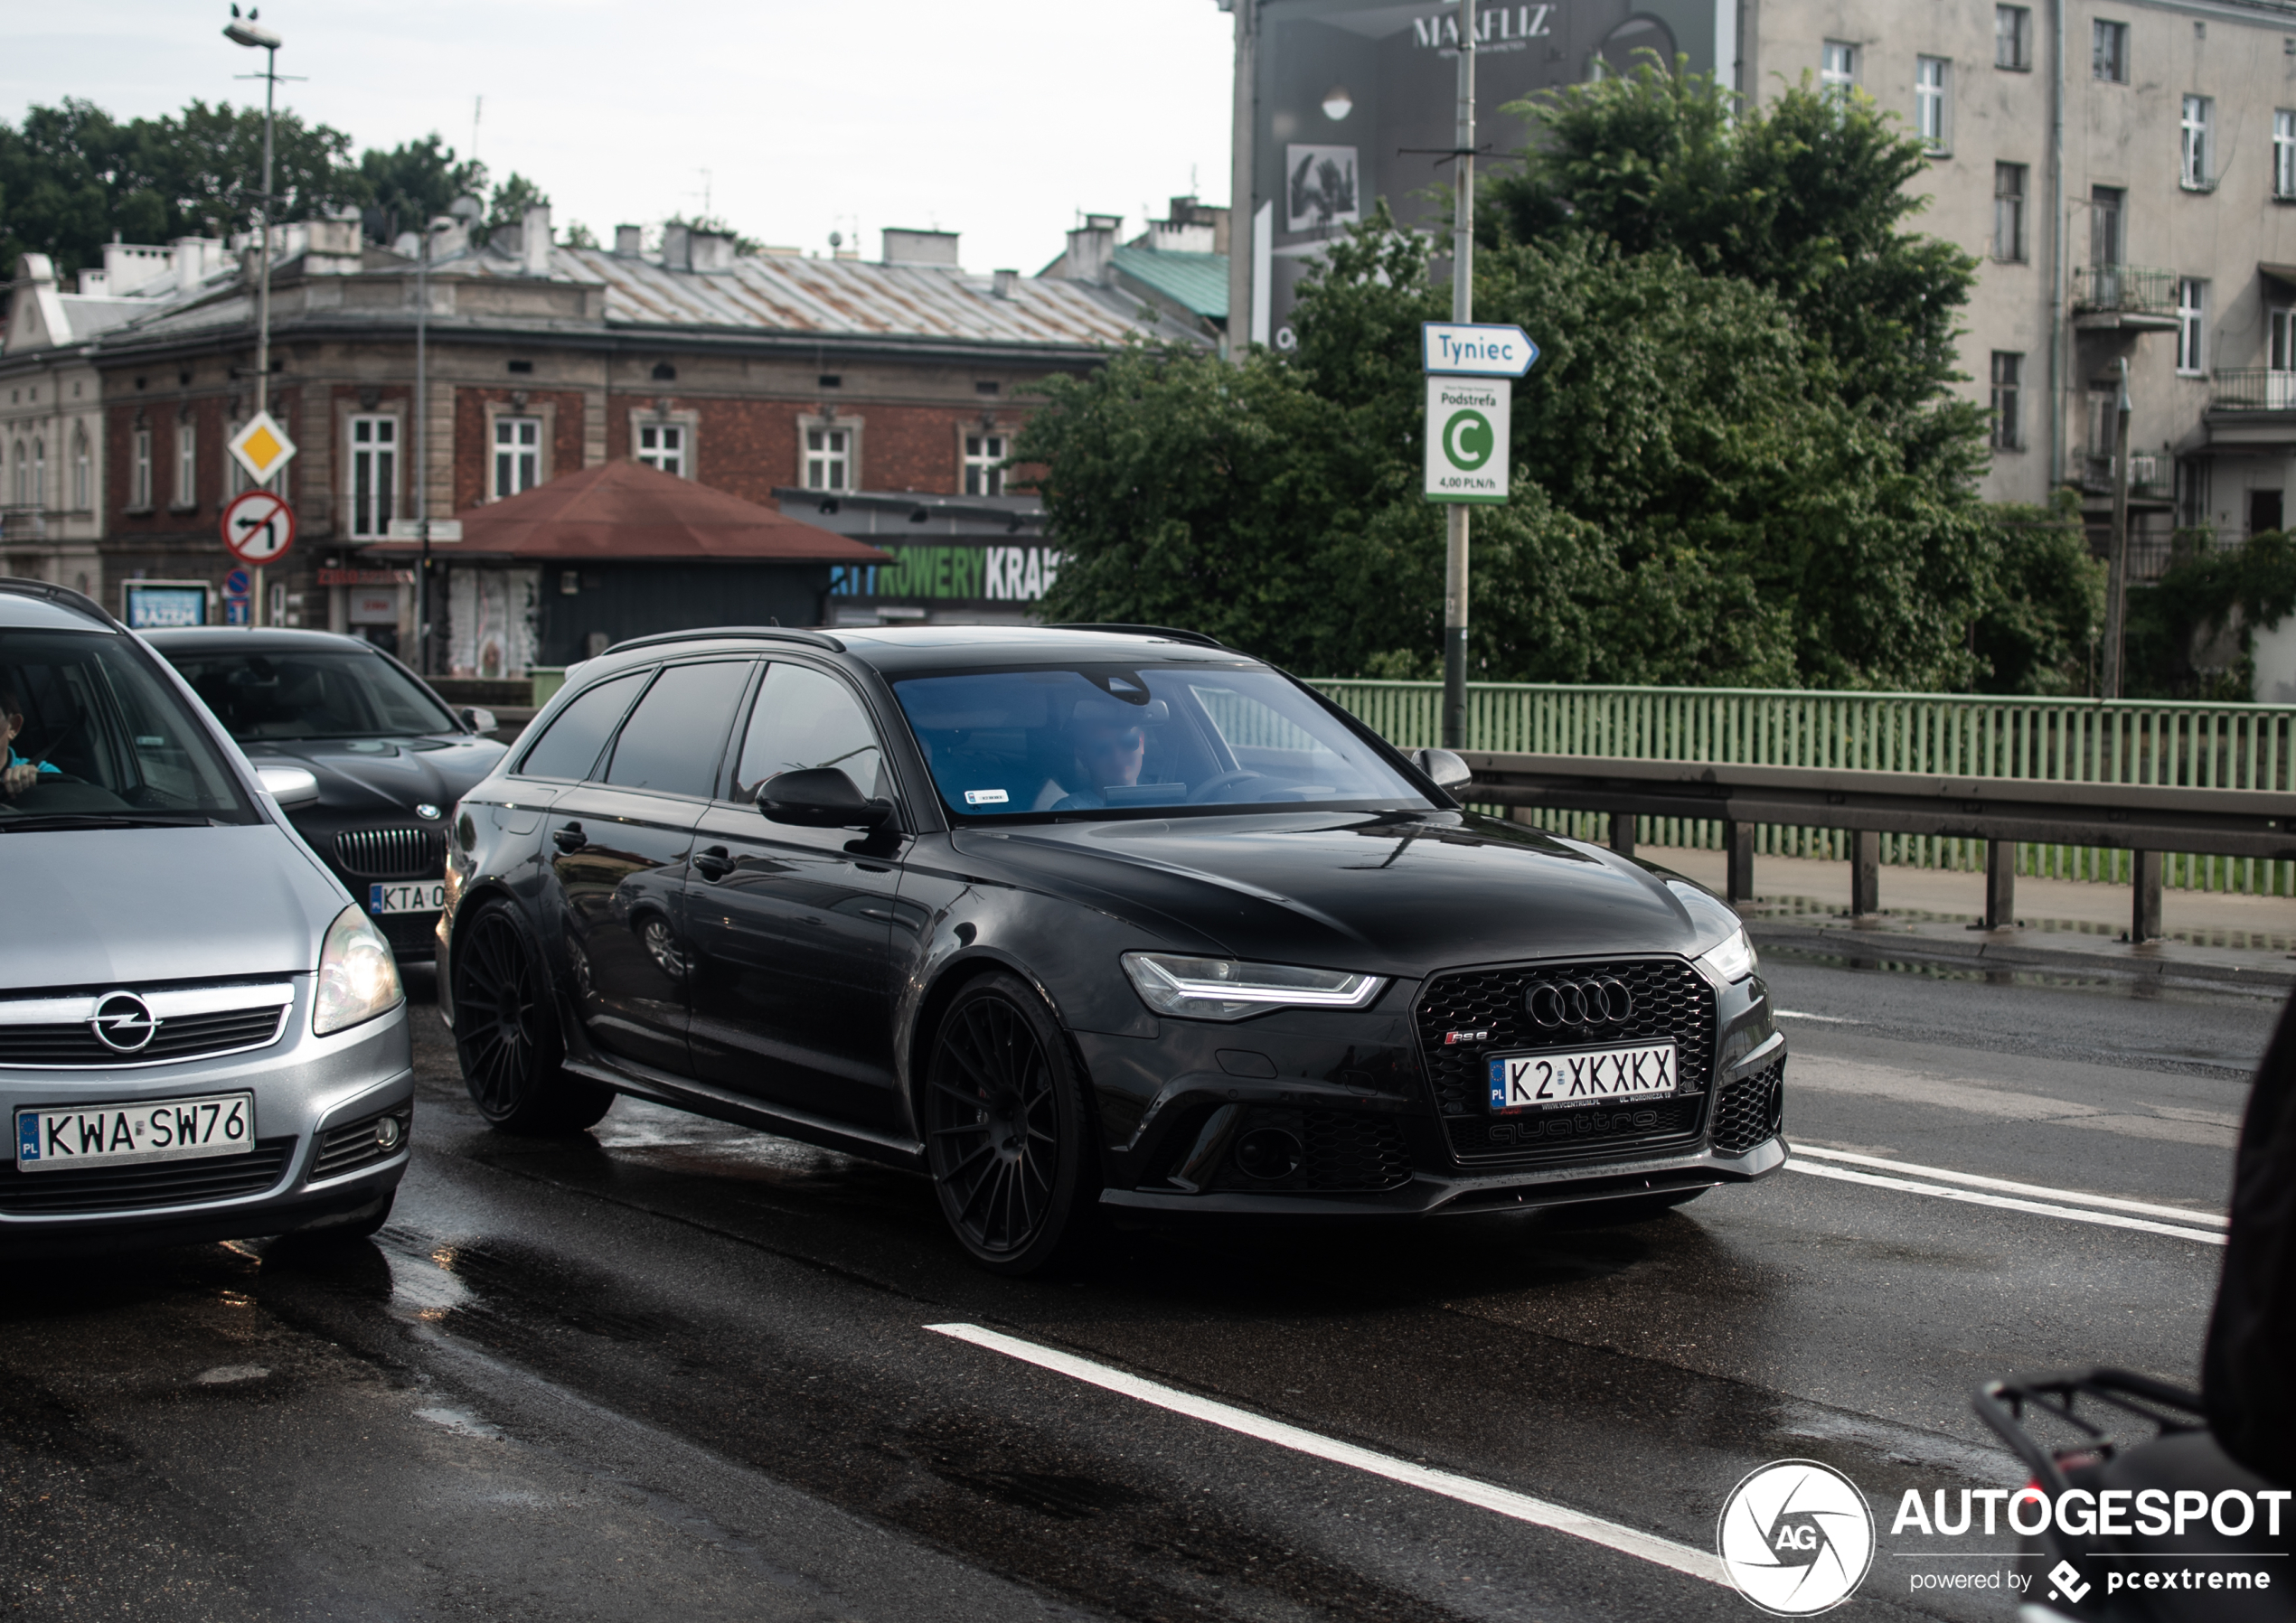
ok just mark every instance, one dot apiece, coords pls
pixel 1001 119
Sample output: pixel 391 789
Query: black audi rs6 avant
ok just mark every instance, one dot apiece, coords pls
pixel 1075 915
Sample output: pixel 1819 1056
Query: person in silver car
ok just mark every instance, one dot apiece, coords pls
pixel 202 1038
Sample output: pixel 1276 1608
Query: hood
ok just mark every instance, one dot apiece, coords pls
pixel 386 774
pixel 1385 895
pixel 106 907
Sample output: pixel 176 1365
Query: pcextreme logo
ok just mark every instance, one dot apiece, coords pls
pixel 1796 1537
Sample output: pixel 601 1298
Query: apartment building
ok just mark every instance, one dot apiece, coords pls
pixel 2125 173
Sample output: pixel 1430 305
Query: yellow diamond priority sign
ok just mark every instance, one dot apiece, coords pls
pixel 262 447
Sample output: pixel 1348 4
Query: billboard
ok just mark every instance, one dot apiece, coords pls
pixel 1342 92
pixel 164 604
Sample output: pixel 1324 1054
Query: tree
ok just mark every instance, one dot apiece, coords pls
pixel 413 184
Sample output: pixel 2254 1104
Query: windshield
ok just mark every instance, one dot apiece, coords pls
pixel 316 693
pixel 96 737
pixel 1105 739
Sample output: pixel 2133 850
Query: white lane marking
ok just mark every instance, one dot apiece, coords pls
pixel 1796 1014
pixel 2071 1196
pixel 2109 1219
pixel 1522 1507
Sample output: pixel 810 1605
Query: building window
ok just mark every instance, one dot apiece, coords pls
pixel 2196 166
pixel 2192 317
pixel 186 464
pixel 2105 218
pixel 663 445
pixel 982 454
pixel 518 454
pixel 2009 212
pixel 2013 38
pixel 2009 382
pixel 1838 68
pixel 374 475
pixel 40 472
pixel 17 495
pixel 2109 51
pixel 2284 155
pixel 82 474
pixel 829 459
pixel 1931 80
pixel 139 473
pixel 2192 492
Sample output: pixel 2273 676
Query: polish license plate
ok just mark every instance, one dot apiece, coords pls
pixel 422 896
pixel 1531 1081
pixel 160 1130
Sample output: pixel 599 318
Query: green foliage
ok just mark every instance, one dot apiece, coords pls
pixel 415 181
pixel 578 235
pixel 72 175
pixel 2207 596
pixel 512 199
pixel 2037 632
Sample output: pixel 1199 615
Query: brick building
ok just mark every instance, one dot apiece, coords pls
pixel 905 377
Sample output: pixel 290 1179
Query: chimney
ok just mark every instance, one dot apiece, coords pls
pixel 710 250
pixel 1090 247
pixel 903 247
pixel 1008 284
pixel 534 242
pixel 629 241
pixel 676 251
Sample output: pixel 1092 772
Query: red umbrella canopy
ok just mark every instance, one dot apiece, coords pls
pixel 622 510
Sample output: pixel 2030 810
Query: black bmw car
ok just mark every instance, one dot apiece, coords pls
pixel 1069 915
pixel 391 756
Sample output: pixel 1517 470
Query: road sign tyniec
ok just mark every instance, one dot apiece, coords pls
pixel 1475 349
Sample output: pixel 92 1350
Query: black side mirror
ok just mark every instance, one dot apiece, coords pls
pixel 821 797
pixel 1451 774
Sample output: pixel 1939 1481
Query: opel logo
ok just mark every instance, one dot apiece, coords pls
pixel 123 1023
pixel 1604 1002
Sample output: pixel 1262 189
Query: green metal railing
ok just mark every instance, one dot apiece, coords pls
pixel 2077 741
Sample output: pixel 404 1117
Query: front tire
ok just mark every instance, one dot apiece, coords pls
pixel 1006 1133
pixel 507 1035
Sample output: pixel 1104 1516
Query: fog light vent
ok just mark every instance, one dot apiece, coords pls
pixel 1270 1153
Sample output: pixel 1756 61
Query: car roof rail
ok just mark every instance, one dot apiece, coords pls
pixel 781 634
pixel 1174 633
pixel 61 595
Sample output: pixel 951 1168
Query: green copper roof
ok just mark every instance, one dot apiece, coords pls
pixel 1197 282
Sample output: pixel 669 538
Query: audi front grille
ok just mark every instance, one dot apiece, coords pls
pixel 1576 1008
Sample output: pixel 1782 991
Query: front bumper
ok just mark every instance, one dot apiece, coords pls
pixel 317 1156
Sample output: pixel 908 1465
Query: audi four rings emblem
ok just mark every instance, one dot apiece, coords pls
pixel 1604 1002
pixel 123 1023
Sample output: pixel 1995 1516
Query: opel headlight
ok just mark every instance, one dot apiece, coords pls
pixel 1221 988
pixel 1732 961
pixel 358 978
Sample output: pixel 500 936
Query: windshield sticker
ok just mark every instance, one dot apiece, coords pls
pixel 985 797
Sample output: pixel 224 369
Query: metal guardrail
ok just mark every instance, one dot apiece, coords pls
pixel 2186 744
pixel 2146 821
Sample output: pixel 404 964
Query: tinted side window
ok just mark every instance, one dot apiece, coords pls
pixel 569 749
pixel 671 741
pixel 803 719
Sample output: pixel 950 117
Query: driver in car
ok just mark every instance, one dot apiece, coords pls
pixel 1109 743
pixel 18 774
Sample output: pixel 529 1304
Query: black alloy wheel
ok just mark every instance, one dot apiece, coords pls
pixel 1004 1122
pixel 507 1034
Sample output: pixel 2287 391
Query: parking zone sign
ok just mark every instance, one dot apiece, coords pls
pixel 1467 433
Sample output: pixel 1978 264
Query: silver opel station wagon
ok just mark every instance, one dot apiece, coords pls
pixel 202 1038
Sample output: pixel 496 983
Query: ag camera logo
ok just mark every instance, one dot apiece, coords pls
pixel 1796 1538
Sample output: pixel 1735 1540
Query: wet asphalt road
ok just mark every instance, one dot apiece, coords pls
pixel 675 1369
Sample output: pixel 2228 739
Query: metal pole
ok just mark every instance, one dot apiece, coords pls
pixel 263 285
pixel 2116 583
pixel 421 446
pixel 1463 308
pixel 1239 341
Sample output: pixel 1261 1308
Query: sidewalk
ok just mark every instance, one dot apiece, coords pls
pixel 1935 915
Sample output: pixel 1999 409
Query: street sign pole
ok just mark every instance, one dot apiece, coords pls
pixel 1463 309
pixel 422 451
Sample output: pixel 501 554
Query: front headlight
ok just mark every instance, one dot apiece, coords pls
pixel 358 978
pixel 1221 988
pixel 1732 961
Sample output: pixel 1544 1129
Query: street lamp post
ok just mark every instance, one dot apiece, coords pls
pixel 246 30
pixel 2116 579
pixel 1463 309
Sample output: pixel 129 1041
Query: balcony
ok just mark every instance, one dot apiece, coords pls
pixel 2127 298
pixel 2252 388
pixel 2149 474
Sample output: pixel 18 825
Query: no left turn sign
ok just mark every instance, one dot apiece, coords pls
pixel 259 528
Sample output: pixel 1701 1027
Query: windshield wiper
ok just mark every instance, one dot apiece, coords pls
pixel 36 821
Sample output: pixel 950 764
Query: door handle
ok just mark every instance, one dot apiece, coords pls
pixel 569 838
pixel 715 863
